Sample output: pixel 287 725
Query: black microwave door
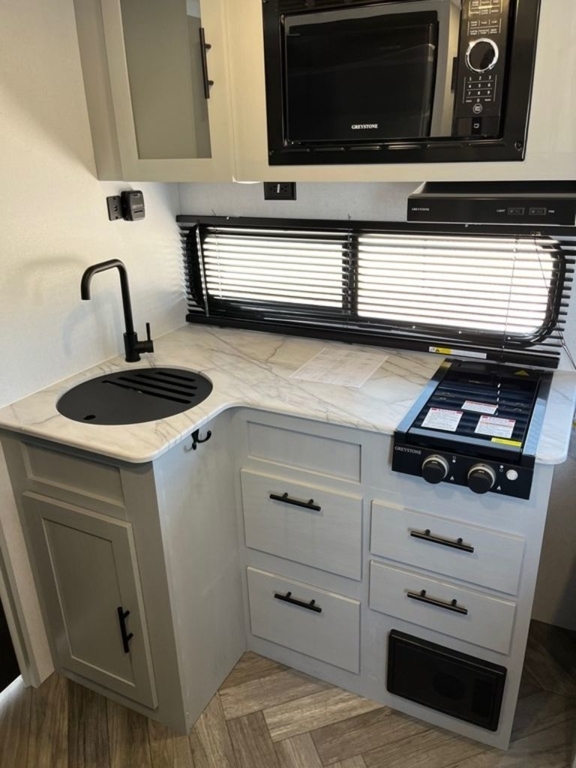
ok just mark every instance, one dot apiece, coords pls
pixel 360 79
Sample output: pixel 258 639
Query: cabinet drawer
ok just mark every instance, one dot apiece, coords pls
pixel 488 621
pixel 330 633
pixel 484 557
pixel 325 532
pixel 335 458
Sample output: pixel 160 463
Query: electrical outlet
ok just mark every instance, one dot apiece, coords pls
pixel 114 207
pixel 279 190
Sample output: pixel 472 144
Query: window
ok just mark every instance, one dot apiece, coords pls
pixel 498 294
pixel 481 284
pixel 270 265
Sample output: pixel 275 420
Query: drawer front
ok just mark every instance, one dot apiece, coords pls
pixel 431 542
pixel 325 534
pixel 61 474
pixel 335 458
pixel 488 621
pixel 331 633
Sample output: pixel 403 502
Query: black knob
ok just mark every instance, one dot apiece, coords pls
pixel 481 478
pixel 482 55
pixel 434 469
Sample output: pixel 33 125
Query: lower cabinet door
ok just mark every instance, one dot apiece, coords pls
pixel 311 621
pixel 87 574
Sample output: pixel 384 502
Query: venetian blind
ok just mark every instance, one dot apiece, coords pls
pixel 499 295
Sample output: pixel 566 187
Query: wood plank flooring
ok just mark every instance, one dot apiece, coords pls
pixel 268 716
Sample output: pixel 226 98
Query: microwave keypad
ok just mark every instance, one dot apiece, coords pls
pixel 482 67
pixel 482 7
pixel 484 27
pixel 480 89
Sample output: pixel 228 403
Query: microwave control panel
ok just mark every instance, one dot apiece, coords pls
pixel 481 67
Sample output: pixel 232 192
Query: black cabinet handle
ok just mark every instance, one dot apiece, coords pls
pixel 287 598
pixel 451 606
pixel 296 502
pixel 204 47
pixel 427 536
pixel 126 637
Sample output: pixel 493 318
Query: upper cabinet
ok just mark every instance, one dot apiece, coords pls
pixel 156 79
pixel 550 147
pixel 202 90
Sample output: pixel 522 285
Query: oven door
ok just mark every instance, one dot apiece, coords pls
pixel 370 73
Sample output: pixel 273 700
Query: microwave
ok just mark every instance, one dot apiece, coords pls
pixel 398 81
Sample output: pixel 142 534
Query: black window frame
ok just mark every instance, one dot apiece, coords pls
pixel 541 350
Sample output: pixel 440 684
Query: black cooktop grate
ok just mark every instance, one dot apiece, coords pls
pixel 512 394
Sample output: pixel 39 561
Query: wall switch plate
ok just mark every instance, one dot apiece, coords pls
pixel 279 190
pixel 114 207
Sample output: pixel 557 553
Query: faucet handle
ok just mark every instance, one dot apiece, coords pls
pixel 149 344
pixel 145 346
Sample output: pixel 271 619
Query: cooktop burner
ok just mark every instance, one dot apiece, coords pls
pixel 475 424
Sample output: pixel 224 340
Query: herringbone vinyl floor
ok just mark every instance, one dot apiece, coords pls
pixel 268 716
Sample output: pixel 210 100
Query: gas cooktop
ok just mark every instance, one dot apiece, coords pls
pixel 475 424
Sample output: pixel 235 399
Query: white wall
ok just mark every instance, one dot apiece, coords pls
pixel 556 591
pixel 53 224
pixel 367 202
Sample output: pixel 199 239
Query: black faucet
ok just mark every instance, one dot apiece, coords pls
pixel 132 346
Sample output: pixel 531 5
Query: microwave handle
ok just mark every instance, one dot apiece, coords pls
pixel 454 74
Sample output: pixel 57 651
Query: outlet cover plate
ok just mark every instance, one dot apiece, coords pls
pixel 279 190
pixel 114 207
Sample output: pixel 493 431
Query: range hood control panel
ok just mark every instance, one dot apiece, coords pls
pixel 507 202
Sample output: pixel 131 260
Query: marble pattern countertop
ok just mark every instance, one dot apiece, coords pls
pixel 253 369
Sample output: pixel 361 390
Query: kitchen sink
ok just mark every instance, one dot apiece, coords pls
pixel 134 396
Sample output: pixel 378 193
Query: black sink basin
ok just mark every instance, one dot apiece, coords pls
pixel 134 396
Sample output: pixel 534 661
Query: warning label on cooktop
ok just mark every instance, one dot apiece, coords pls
pixel 442 418
pixel 495 427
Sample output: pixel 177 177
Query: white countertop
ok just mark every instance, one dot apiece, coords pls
pixel 253 369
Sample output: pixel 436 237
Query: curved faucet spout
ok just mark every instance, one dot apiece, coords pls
pixel 132 345
pixel 103 266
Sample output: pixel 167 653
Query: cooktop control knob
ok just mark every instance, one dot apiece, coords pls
pixel 481 478
pixel 482 55
pixel 434 469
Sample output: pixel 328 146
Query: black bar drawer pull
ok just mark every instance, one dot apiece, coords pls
pixel 126 637
pixel 204 47
pixel 296 502
pixel 287 598
pixel 451 606
pixel 428 536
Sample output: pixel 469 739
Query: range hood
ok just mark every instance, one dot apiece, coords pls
pixel 528 203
